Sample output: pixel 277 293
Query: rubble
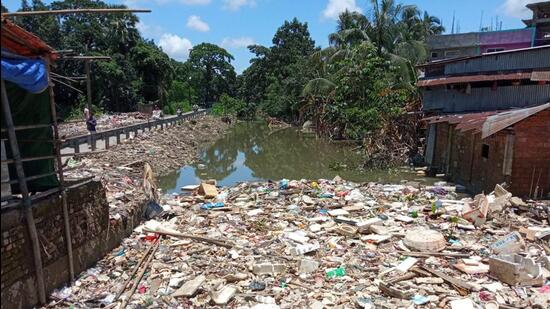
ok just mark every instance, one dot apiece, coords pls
pixel 104 122
pixel 120 167
pixel 267 246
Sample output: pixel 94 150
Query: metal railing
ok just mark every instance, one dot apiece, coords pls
pixel 76 141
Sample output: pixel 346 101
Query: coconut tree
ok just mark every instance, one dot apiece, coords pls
pixel 352 28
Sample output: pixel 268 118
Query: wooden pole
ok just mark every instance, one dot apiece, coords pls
pixel 88 84
pixel 66 222
pixel 75 11
pixel 140 276
pixel 134 271
pixel 33 235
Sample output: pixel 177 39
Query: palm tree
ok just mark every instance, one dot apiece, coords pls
pixel 431 25
pixel 385 17
pixel 351 29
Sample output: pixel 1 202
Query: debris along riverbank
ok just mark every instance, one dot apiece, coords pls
pixel 104 122
pixel 298 244
pixel 121 167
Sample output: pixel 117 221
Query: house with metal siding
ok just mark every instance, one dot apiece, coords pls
pixel 464 97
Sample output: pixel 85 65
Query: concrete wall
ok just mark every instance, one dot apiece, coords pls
pixel 93 235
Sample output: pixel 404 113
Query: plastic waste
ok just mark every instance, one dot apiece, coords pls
pixel 336 272
pixel 207 206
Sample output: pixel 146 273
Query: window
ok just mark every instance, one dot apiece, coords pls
pixel 451 53
pixel 485 151
pixel 435 55
pixel 494 50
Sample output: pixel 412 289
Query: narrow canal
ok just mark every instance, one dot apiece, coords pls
pixel 250 151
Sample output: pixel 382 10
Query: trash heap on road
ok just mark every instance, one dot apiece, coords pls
pixel 104 122
pixel 326 244
pixel 121 167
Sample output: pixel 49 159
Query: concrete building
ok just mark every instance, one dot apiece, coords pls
pixel 537 33
pixel 540 21
pixel 448 46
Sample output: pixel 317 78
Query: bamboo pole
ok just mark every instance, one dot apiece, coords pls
pixel 88 84
pixel 134 271
pixel 66 222
pixel 75 11
pixel 140 276
pixel 67 85
pixel 33 235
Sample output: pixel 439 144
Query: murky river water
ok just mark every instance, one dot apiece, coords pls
pixel 252 152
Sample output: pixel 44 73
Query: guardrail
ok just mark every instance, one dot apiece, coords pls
pixel 75 141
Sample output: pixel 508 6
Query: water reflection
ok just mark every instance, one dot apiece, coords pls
pixel 251 151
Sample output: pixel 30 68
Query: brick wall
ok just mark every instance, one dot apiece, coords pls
pixel 487 172
pixel 93 235
pixel 532 155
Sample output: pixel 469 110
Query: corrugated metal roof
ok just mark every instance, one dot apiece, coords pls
pixel 540 76
pixel 472 78
pixel 21 42
pixel 451 60
pixel 500 121
pixel 488 123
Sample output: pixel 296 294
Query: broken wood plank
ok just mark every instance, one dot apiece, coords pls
pixel 407 276
pixel 461 286
pixel 442 254
pixel 388 290
pixel 221 243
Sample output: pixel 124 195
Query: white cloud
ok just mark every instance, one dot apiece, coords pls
pixel 335 7
pixel 235 5
pixel 236 43
pixel 131 3
pixel 175 46
pixel 195 22
pixel 517 9
pixel 149 31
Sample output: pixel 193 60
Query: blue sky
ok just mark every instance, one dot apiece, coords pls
pixel 177 25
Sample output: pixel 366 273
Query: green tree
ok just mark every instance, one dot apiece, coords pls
pixel 277 74
pixel 352 28
pixel 211 72
pixel 155 70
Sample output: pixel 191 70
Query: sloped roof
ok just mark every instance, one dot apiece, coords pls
pixel 19 41
pixel 472 78
pixel 501 121
pixel 488 123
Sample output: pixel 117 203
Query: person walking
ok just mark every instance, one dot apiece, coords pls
pixel 91 124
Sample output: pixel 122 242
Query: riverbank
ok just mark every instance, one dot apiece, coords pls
pixel 317 244
pixel 120 167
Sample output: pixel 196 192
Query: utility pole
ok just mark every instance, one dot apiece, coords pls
pixel 88 83
pixel 481 21
pixel 453 26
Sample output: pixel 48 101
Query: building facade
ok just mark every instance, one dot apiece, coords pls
pixel 537 33
pixel 488 120
pixel 541 22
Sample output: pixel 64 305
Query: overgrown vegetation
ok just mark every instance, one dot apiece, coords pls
pixel 360 87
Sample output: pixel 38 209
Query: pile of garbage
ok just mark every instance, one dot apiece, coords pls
pixel 326 244
pixel 120 167
pixel 104 122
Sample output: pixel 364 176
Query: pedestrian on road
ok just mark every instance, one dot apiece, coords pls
pixel 91 123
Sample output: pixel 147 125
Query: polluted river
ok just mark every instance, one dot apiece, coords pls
pixel 278 229
pixel 251 151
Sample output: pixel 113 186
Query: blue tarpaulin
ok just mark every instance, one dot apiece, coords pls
pixel 29 74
